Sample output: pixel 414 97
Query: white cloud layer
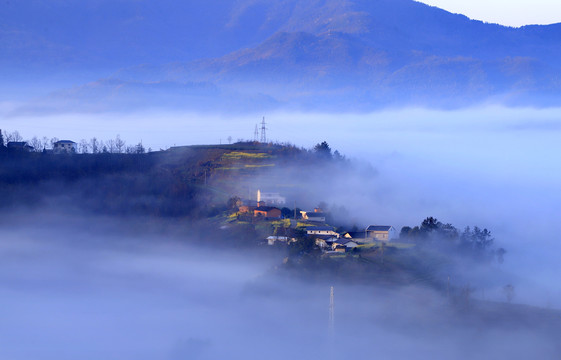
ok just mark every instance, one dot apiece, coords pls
pixel 505 12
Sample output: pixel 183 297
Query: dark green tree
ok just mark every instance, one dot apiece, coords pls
pixel 287 213
pixel 429 225
pixel 323 150
pixel 404 233
pixel 234 203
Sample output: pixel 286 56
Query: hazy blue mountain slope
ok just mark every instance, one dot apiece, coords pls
pixel 303 53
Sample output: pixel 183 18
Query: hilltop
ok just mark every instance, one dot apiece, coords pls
pixel 184 181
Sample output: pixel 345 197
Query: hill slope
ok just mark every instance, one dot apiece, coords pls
pixel 353 54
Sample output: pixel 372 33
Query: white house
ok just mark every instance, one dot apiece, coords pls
pixel 64 147
pixel 380 232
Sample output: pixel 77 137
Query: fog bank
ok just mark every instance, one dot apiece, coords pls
pixel 105 293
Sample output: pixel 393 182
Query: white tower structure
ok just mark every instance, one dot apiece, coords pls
pixel 263 131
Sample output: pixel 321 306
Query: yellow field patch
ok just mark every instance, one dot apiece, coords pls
pixel 237 155
pixel 259 166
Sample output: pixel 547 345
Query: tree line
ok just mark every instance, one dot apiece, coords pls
pixel 475 241
pixel 84 146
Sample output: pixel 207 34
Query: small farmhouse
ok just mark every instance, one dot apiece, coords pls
pixel 316 216
pixel 267 212
pixel 380 232
pixel 64 147
pixel 19 146
pixel 348 244
pixel 249 206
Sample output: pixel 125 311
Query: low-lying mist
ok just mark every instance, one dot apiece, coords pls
pixel 92 288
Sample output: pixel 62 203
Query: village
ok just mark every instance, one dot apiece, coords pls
pixel 204 182
pixel 289 226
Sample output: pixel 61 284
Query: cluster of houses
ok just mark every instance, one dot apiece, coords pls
pixel 324 236
pixel 349 240
pixel 59 147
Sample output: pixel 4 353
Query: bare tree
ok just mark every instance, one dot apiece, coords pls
pixel 102 147
pixel 94 145
pixel 84 146
pixel 110 145
pixel 14 136
pixel 36 144
pixel 45 143
pixel 53 141
pixel 119 144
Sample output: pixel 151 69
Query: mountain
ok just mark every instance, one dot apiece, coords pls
pixel 311 54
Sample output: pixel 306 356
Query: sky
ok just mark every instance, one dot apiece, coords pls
pixel 505 12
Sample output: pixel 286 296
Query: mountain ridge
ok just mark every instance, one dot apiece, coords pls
pixel 385 52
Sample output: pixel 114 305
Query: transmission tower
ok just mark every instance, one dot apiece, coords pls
pixel 331 313
pixel 256 133
pixel 263 132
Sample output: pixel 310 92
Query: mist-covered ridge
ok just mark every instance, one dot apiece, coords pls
pixel 328 55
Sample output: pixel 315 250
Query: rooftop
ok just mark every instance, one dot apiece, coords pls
pixel 266 208
pixel 319 228
pixel 65 142
pixel 378 228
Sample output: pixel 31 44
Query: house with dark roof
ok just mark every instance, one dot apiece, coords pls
pixel 339 248
pixel 380 232
pixel 19 146
pixel 64 147
pixel 314 216
pixel 267 212
pixel 349 244
pixel 356 235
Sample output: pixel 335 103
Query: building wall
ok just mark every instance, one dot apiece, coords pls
pixel 382 235
pixel 64 148
pixel 274 213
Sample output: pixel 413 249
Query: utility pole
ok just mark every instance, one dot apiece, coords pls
pixel 332 312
